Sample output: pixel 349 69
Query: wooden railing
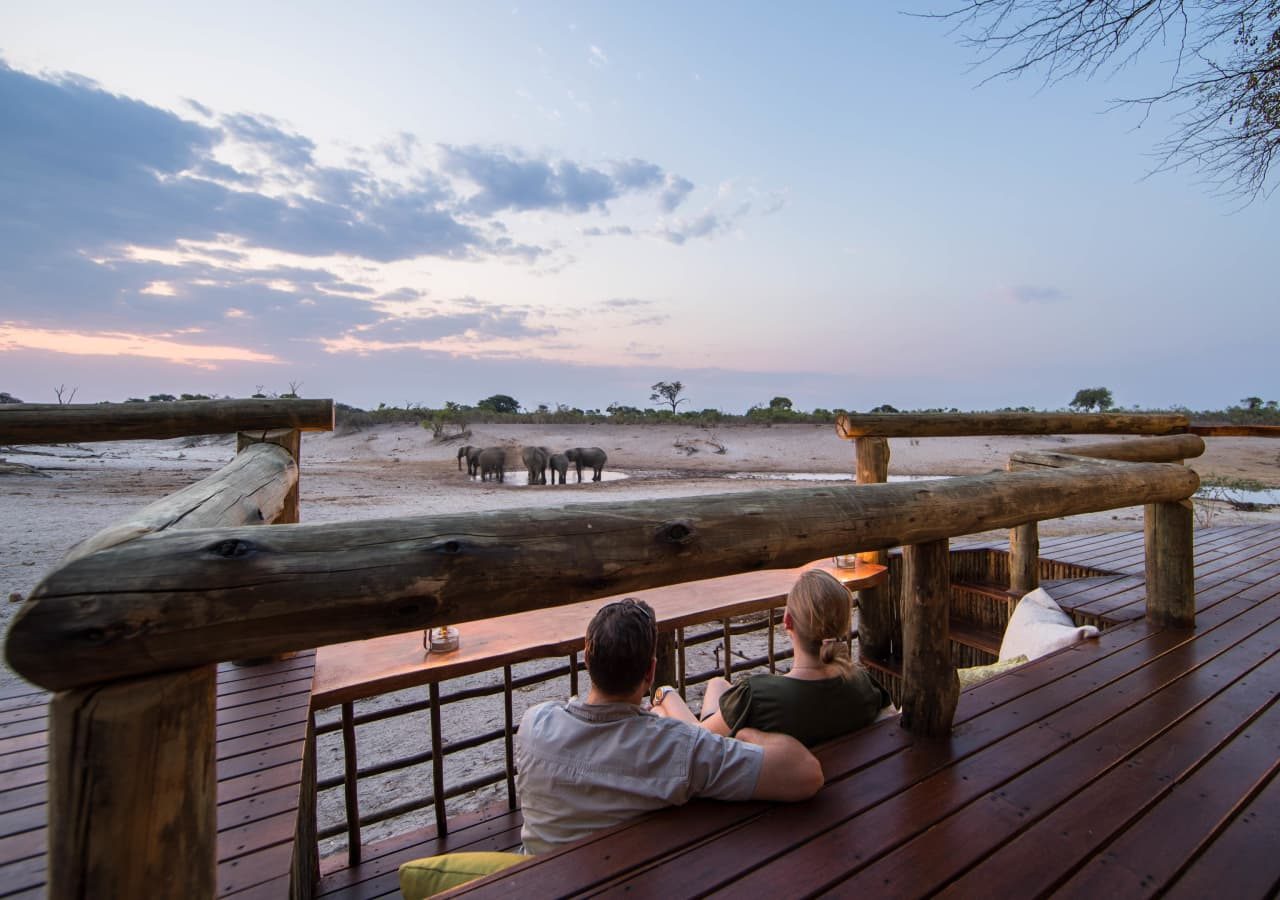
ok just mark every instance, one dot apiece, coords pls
pixel 127 634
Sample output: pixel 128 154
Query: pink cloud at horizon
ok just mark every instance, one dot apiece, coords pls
pixel 204 356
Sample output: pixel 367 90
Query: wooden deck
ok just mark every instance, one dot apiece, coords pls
pixel 1139 763
pixel 262 725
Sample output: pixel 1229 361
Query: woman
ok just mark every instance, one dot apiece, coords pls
pixel 824 695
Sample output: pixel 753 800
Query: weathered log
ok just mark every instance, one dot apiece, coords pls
pixel 1171 448
pixel 1171 586
pixel 132 788
pixel 1040 460
pixel 930 689
pixel 851 425
pixel 1265 431
pixel 251 489
pixel 51 423
pixel 1024 558
pixel 875 621
pixel 291 440
pixel 182 598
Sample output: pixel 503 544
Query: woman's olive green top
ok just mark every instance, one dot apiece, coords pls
pixel 810 711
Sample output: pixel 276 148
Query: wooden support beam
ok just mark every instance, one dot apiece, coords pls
pixel 52 423
pixel 875 621
pixel 1024 558
pixel 1263 431
pixel 132 788
pixel 289 439
pixel 667 671
pixel 181 598
pixel 930 689
pixel 852 425
pixel 1171 448
pixel 1171 590
pixel 254 488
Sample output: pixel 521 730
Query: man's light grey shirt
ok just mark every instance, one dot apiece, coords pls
pixel 582 767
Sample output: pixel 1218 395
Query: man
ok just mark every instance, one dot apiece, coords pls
pixel 583 766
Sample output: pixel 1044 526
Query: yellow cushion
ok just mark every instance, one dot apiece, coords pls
pixel 978 674
pixel 425 877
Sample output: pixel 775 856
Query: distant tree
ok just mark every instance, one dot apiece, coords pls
pixel 780 403
pixel 1270 404
pixel 1091 398
pixel 499 403
pixel 885 408
pixel 667 392
pixel 195 397
pixel 162 398
pixel 60 390
pixel 1223 58
pixel 1253 404
pixel 6 397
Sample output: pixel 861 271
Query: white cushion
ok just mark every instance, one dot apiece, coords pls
pixel 1038 627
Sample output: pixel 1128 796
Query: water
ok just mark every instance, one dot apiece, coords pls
pixel 520 477
pixel 1239 497
pixel 819 476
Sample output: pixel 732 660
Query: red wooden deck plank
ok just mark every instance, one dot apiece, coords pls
pixel 1168 733
pixel 1146 856
pixel 1243 860
pixel 262 726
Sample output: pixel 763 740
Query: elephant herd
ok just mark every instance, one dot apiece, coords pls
pixel 491 462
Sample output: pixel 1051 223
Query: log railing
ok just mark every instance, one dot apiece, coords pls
pixel 129 633
pixel 132 787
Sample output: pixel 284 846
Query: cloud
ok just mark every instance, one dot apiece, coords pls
pixel 619 230
pixel 673 192
pixel 624 303
pixel 285 148
pixel 597 57
pixel 1026 293
pixel 701 226
pixel 508 180
pixel 114 343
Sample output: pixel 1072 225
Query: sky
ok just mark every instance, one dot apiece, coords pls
pixel 411 203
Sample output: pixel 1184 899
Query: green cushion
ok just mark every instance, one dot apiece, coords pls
pixel 978 674
pixel 425 877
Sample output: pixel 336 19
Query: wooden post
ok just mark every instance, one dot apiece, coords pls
pixel 304 871
pixel 1024 558
pixel 930 688
pixel 132 788
pixel 875 621
pixel 666 672
pixel 1171 589
pixel 290 439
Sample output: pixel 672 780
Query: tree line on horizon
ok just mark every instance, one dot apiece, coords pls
pixel 498 408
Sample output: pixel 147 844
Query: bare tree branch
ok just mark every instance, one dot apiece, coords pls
pixel 1224 78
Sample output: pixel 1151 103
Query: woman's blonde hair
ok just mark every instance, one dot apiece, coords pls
pixel 822 617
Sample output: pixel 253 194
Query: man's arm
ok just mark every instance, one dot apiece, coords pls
pixel 790 772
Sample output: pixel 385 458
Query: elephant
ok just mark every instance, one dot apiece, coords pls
pixel 492 461
pixel 587 456
pixel 466 453
pixel 535 460
pixel 471 455
pixel 558 463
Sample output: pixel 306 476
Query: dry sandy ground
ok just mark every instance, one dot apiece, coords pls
pixel 400 471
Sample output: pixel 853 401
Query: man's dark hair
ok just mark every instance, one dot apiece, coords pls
pixel 620 645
